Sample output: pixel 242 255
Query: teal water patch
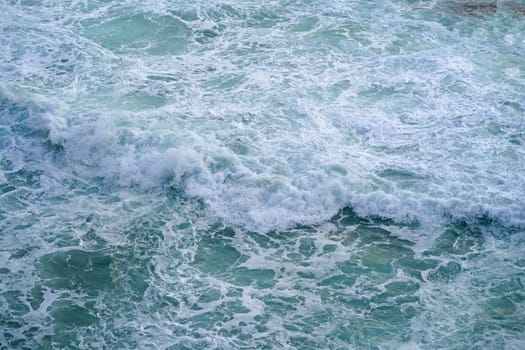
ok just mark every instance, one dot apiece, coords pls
pixel 349 282
pixel 135 33
pixel 295 175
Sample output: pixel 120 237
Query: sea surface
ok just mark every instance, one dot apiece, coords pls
pixel 273 174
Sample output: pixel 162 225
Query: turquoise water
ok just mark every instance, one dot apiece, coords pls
pixel 238 175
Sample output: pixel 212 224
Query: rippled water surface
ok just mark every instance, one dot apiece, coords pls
pixel 279 175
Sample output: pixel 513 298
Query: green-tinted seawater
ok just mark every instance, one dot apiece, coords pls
pixel 350 281
pixel 237 175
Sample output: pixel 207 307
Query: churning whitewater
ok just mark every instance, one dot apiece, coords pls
pixel 238 175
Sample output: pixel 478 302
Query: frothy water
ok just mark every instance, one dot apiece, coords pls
pixel 288 175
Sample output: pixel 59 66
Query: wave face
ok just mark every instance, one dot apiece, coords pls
pixel 297 174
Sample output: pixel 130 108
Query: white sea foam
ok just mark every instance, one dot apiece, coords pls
pixel 282 129
pixel 178 144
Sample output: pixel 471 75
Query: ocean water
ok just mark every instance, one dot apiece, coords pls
pixel 262 175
